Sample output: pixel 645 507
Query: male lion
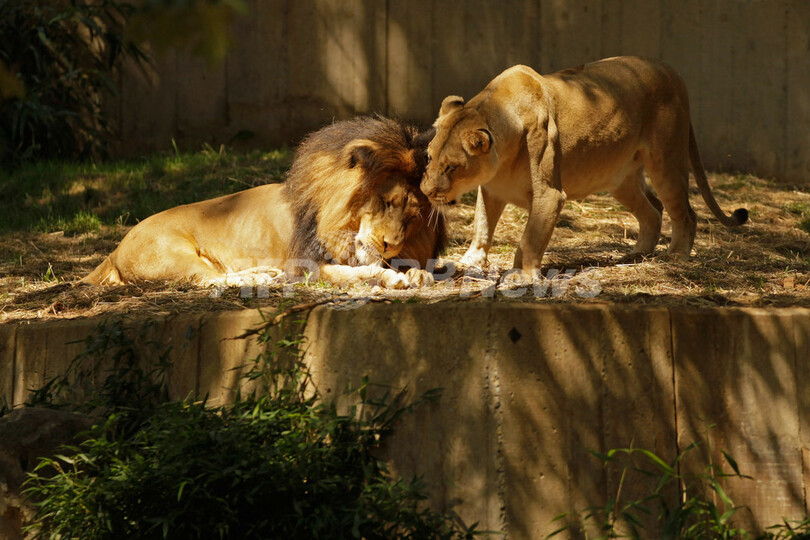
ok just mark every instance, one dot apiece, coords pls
pixel 351 203
pixel 534 140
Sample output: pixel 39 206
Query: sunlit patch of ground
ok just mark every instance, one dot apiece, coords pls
pixel 764 263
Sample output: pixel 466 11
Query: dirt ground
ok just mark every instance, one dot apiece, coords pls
pixel 764 263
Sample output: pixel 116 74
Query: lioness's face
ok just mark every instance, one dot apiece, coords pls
pixel 460 156
pixel 387 220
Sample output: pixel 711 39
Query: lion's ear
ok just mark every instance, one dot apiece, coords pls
pixel 450 104
pixel 477 141
pixel 361 152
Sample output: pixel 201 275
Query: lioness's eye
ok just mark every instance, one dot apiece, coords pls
pixel 449 169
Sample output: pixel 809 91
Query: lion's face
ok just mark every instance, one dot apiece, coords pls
pixel 461 155
pixel 354 186
pixel 387 220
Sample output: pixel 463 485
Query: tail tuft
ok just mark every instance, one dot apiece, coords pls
pixel 740 215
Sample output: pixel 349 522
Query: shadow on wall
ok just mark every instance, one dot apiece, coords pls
pixel 530 390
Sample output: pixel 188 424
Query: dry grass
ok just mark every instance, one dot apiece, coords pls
pixel 765 263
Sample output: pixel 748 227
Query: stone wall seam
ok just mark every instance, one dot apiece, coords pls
pixel 802 452
pixel 494 400
pixel 676 423
pixel 14 365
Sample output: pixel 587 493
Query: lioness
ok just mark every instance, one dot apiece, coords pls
pixel 351 202
pixel 534 140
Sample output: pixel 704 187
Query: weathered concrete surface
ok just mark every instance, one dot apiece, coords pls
pixel 43 351
pixel 452 443
pixel 299 65
pixel 529 390
pixel 7 365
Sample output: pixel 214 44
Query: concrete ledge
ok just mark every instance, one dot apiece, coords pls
pixel 529 390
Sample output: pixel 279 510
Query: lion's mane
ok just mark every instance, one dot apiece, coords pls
pixel 326 187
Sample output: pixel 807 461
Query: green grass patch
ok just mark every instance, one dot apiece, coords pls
pixel 801 210
pixel 797 209
pixel 80 197
pixel 80 222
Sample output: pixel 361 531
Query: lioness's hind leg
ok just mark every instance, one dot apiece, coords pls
pixel 636 196
pixel 672 185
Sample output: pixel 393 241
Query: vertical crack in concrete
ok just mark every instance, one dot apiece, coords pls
pixel 198 364
pixel 674 388
pixel 799 405
pixel 13 386
pixel 492 390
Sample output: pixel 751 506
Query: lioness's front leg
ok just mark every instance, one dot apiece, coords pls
pixel 548 197
pixel 543 214
pixel 488 210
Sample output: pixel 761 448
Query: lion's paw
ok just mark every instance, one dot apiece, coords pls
pixel 240 279
pixel 391 279
pixel 419 278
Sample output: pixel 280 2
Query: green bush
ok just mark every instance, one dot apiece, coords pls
pixel 59 58
pixel 64 54
pixel 681 505
pixel 279 463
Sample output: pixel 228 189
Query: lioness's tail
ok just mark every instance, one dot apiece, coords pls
pixel 104 274
pixel 739 216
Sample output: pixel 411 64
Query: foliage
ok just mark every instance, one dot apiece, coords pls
pixel 59 59
pixel 62 55
pixel 678 503
pixel 681 505
pixel 81 197
pixel 795 530
pixel 278 463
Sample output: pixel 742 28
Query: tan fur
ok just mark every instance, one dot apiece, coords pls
pixel 535 140
pixel 249 236
pixel 204 241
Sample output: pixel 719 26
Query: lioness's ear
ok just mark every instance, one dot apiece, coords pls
pixel 360 152
pixel 477 141
pixel 450 104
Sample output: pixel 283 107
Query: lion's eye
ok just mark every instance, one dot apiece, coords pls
pixel 450 168
pixel 389 205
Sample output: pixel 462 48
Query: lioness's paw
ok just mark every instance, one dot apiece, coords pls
pixel 474 257
pixel 515 279
pixel 419 278
pixel 391 279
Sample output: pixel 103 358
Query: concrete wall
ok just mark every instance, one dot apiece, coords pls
pixel 529 391
pixel 301 63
